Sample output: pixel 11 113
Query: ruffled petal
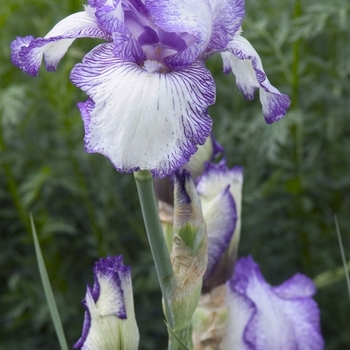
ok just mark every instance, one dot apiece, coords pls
pixel 227 17
pixel 289 322
pixel 140 118
pixel 186 16
pixel 298 286
pixel 27 53
pixel 245 63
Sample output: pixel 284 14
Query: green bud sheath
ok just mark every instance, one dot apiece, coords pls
pixel 189 254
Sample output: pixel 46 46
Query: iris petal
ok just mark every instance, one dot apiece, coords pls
pixel 141 119
pixel 28 54
pixel 220 216
pixel 109 321
pixel 185 16
pixel 223 186
pixel 272 321
pixel 227 19
pixel 245 63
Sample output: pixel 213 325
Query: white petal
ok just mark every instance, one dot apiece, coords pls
pixel 78 25
pixel 220 216
pixel 140 119
pixel 275 321
pixel 240 311
pixel 56 43
pixel 245 63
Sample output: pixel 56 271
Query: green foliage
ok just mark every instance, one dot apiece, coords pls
pixel 50 298
pixel 296 173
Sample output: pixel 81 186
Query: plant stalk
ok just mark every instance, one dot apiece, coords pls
pixel 161 257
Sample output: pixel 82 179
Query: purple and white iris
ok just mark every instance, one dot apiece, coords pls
pixel 148 86
pixel 270 318
pixel 109 321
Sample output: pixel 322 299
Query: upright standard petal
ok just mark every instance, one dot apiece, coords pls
pixel 28 52
pixel 109 318
pixel 227 19
pixel 241 58
pixel 142 117
pixel 270 318
pixel 194 17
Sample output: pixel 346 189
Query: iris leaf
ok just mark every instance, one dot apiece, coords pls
pixel 48 290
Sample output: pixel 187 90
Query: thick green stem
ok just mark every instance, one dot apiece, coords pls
pixel 161 257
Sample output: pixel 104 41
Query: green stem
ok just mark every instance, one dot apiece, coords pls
pixel 161 257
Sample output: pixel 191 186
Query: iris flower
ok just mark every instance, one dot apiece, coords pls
pixel 147 85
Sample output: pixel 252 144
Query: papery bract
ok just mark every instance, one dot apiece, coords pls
pixel 148 87
pixel 189 251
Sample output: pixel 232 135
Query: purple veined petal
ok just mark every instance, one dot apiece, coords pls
pixel 27 53
pixel 96 3
pixel 187 16
pixel 227 17
pixel 245 63
pixel 289 322
pixel 127 48
pixel 220 216
pixel 181 60
pixel 110 16
pixel 140 118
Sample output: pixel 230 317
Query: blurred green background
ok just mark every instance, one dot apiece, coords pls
pixel 296 173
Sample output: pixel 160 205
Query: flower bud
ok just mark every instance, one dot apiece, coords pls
pixel 109 321
pixel 189 253
pixel 205 153
pixel 220 191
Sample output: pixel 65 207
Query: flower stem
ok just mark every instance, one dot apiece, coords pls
pixel 161 257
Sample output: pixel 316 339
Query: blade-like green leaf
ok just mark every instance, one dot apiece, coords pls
pixel 178 340
pixel 342 253
pixel 329 277
pixel 48 290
